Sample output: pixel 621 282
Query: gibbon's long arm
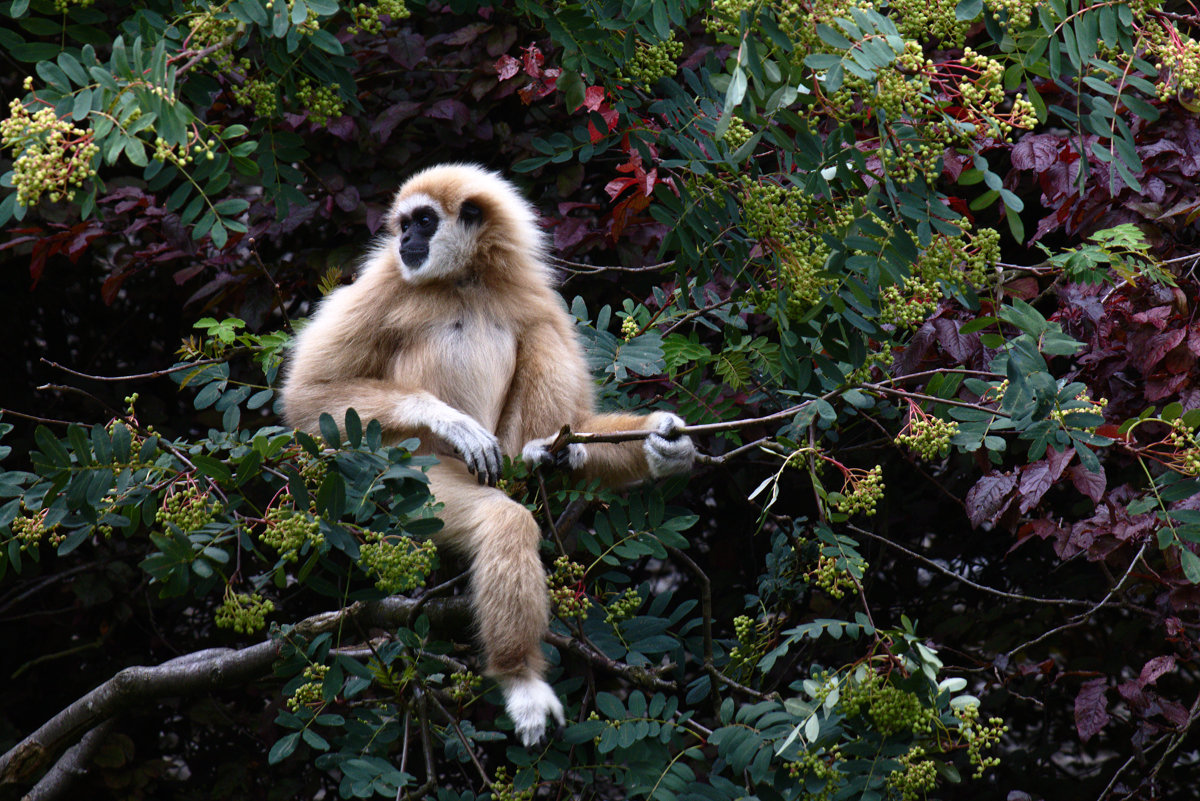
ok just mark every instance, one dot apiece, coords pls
pixel 330 373
pixel 552 387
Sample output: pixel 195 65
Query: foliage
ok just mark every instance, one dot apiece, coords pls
pixel 911 414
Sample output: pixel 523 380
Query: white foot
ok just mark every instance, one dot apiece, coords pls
pixel 528 701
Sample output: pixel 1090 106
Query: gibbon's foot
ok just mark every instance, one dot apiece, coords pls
pixel 536 453
pixel 528 701
pixel 668 451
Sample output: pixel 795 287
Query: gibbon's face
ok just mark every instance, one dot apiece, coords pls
pixel 434 242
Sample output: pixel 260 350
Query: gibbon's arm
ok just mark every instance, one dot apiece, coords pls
pixel 552 387
pixel 330 371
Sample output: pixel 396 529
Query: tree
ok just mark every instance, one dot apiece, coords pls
pixel 917 275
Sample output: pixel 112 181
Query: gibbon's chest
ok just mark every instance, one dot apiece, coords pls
pixel 466 360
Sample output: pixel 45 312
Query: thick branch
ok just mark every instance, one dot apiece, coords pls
pixel 199 672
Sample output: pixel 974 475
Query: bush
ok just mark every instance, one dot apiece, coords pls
pixel 918 276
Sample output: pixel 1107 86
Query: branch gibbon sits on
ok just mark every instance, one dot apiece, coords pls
pixel 453 333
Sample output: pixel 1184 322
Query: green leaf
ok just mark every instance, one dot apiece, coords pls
pixel 283 748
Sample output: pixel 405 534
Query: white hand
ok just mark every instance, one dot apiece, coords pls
pixel 477 446
pixel 667 451
pixel 536 453
pixel 528 702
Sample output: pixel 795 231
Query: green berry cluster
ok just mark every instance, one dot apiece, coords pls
pixel 928 437
pixel 187 508
pixel 464 686
pixel 322 102
pixel 916 778
pixel 880 357
pixel 367 17
pixel 1187 455
pixel 892 709
pixel 187 154
pixel 262 95
pixel 311 693
pixel 798 20
pixel 821 765
pixel 308 26
pixel 960 260
pixel 1089 407
pixel 651 62
pixel 1019 12
pixel 737 134
pixel 862 491
pixel 312 469
pixel 399 563
pixel 63 6
pixel 744 630
pixel 245 613
pixel 30 529
pixel 930 20
pixel 833 580
pixel 979 738
pixel 290 532
pixel 213 32
pixel 629 328
pixel 623 608
pixel 502 788
pixel 911 306
pixel 567 594
pixel 52 156
pixel 778 213
pixel 1178 65
pixel 723 15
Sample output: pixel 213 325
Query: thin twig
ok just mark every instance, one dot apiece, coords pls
pixel 287 323
pixel 951 574
pixel 137 377
pixel 1083 616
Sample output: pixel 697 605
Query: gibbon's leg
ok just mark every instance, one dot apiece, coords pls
pixel 508 585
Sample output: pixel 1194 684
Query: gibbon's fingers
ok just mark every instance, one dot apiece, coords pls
pixel 668 451
pixel 528 702
pixel 477 446
pixel 536 453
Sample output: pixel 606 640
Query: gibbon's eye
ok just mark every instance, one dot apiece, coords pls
pixel 470 214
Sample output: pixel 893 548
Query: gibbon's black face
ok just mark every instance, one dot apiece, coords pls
pixel 416 230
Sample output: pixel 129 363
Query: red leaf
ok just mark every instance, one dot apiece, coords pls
pixel 1091 709
pixel 111 286
pixel 532 60
pixel 1039 477
pixel 990 496
pixel 593 97
pixel 1155 668
pixel 507 67
pixel 1158 347
pixel 1038 152
pixel 451 110
pixel 1089 483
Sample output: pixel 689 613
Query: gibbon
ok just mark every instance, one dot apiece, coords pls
pixel 454 333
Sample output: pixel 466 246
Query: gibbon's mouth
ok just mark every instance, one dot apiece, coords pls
pixel 414 258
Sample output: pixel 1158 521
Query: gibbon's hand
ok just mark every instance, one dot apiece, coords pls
pixel 668 451
pixel 536 453
pixel 477 446
pixel 528 701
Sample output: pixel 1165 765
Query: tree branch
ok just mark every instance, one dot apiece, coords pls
pixel 193 673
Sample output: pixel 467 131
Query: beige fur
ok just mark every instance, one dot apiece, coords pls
pixel 474 344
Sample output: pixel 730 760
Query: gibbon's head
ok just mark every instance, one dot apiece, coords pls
pixel 460 221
